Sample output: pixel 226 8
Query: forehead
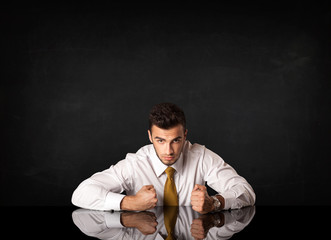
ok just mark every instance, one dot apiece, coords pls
pixel 177 131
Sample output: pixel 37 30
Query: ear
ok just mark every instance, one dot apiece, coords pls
pixel 150 136
pixel 185 134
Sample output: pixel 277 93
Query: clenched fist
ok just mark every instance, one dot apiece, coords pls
pixel 144 199
pixel 200 200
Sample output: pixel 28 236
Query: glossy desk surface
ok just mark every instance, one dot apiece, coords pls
pixel 258 222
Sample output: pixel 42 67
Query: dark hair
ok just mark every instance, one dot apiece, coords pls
pixel 166 115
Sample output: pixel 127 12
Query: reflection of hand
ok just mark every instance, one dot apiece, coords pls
pixel 145 222
pixel 200 226
pixel 144 199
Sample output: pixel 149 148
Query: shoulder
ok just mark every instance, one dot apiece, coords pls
pixel 193 151
pixel 145 151
pixel 141 155
pixel 194 148
pixel 200 150
pixel 135 161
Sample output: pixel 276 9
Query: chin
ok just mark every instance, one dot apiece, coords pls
pixel 169 163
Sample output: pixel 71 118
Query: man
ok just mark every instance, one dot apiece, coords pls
pixel 170 171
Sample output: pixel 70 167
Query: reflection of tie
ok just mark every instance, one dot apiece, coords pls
pixel 170 217
pixel 170 193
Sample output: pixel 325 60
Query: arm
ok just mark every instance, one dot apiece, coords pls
pixel 102 191
pixel 233 190
pixel 99 224
pixel 222 225
pixel 232 187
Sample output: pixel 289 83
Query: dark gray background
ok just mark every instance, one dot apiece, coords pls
pixel 76 88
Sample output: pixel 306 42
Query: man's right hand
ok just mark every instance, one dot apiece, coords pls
pixel 144 199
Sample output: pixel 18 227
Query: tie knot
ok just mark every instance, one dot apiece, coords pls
pixel 170 172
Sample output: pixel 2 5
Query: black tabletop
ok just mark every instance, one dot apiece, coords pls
pixel 258 222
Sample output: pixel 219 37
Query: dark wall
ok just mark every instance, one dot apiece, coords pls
pixel 76 88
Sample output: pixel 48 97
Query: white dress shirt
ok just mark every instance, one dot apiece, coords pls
pixel 196 165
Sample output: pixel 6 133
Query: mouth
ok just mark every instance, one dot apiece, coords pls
pixel 169 158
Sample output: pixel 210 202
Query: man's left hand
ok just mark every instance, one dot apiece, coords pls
pixel 200 200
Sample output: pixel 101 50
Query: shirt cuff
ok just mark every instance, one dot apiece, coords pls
pixel 229 199
pixel 113 201
pixel 113 220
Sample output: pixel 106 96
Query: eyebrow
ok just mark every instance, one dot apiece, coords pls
pixel 177 138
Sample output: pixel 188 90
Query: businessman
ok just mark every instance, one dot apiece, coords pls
pixel 168 172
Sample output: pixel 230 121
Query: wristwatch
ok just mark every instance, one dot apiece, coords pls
pixel 217 203
pixel 217 220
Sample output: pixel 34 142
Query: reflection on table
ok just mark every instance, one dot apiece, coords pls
pixel 151 224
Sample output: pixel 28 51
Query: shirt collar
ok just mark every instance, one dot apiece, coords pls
pixel 159 167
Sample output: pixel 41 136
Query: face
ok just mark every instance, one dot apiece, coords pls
pixel 168 143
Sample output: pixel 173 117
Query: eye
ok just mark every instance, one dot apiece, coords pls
pixel 160 141
pixel 176 141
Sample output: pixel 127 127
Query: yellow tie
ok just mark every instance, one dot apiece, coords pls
pixel 170 193
pixel 170 218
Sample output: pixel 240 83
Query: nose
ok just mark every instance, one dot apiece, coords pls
pixel 169 150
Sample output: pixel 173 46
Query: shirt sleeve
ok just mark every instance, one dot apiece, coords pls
pixel 99 224
pixel 223 178
pixel 234 222
pixel 102 191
